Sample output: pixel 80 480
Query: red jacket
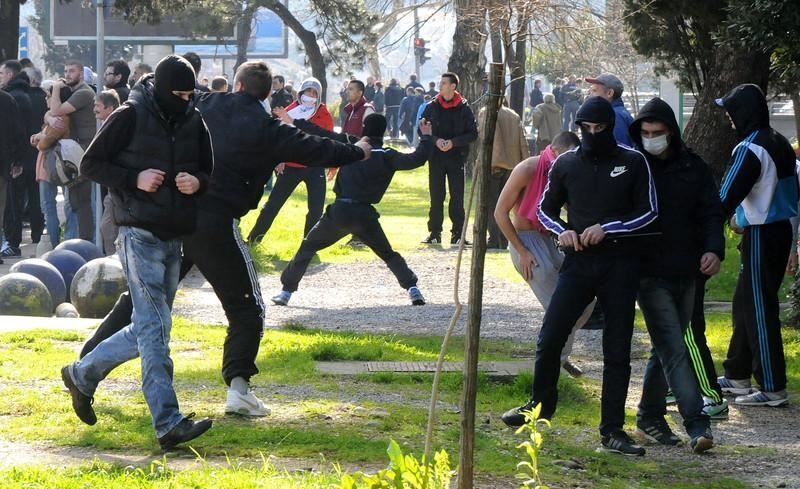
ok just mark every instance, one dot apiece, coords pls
pixel 321 118
pixel 354 124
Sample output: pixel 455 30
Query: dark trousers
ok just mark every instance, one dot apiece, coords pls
pixel 699 353
pixel 80 200
pixel 614 280
pixel 667 304
pixel 451 170
pixel 219 252
pixel 756 346
pixel 339 220
pixel 23 189
pixel 496 183
pixel 285 183
pixel 392 121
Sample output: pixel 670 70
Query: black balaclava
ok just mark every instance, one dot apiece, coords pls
pixel 173 73
pixel 374 128
pixel 599 111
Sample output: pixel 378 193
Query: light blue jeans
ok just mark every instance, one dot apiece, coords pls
pixel 152 266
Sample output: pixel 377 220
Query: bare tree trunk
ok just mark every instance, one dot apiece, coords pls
pixel 243 31
pixel 471 347
pixel 796 108
pixel 517 66
pixel 307 37
pixel 9 29
pixel 709 131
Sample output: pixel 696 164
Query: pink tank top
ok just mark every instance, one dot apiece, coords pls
pixel 529 204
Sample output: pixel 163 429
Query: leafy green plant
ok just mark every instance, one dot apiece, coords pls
pixel 405 472
pixel 529 469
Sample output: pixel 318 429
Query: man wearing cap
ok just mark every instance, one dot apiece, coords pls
pixel 760 187
pixel 154 154
pixel 610 88
pixel 609 194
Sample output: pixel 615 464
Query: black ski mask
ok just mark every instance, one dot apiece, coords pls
pixel 599 111
pixel 173 73
pixel 374 128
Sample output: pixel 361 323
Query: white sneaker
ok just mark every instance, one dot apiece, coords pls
pixel 245 404
pixel 715 410
pixel 761 398
pixel 736 387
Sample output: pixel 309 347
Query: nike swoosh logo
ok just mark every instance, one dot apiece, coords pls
pixel 616 173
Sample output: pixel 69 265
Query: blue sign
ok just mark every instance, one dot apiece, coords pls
pixel 23 41
pixel 268 39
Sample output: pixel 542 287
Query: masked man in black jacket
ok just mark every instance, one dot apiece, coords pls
pixel 248 144
pixel 609 194
pixel 689 240
pixel 358 188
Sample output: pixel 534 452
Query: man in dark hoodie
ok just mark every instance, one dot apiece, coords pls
pixel 154 154
pixel 12 138
pixel 609 194
pixel 248 144
pixel 689 239
pixel 358 188
pixel 761 188
pixel 394 96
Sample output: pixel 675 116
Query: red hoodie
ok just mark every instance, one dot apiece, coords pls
pixel 321 118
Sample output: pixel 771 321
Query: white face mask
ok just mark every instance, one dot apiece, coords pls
pixel 308 101
pixel 655 146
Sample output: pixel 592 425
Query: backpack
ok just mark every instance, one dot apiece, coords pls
pixel 63 161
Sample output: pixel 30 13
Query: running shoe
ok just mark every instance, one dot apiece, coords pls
pixel 282 299
pixel 416 296
pixel 762 398
pixel 714 409
pixel 245 404
pixel 702 443
pixel 657 431
pixel 620 442
pixel 735 387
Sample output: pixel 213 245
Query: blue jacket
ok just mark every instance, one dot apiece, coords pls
pixel 623 121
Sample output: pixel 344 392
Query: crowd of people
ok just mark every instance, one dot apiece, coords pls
pixel 626 213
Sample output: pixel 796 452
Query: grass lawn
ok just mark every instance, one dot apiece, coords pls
pixel 313 415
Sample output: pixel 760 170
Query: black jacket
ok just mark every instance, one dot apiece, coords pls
pixel 249 143
pixel 457 124
pixel 690 215
pixel 123 91
pixel 138 136
pixel 281 98
pixel 11 133
pixel 19 87
pixel 613 190
pixel 394 95
pixel 366 182
pixel 38 106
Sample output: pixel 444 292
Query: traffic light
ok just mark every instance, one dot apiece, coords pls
pixel 420 51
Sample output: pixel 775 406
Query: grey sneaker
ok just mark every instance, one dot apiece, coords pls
pixel 416 296
pixel 282 299
pixel 762 398
pixel 735 387
pixel 714 409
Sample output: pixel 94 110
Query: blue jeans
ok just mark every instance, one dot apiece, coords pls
pixel 47 199
pixel 667 305
pixel 152 266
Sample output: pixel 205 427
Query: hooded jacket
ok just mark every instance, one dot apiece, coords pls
pixel 547 119
pixel 140 136
pixel 18 88
pixel 394 95
pixel 690 215
pixel 317 115
pixel 249 143
pixel 760 184
pixel 601 182
pixel 11 133
pixel 451 120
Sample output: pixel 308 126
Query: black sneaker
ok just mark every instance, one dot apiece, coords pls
pixel 620 442
pixel 657 431
pixel 11 252
pixel 456 240
pixel 433 238
pixel 185 431
pixel 81 403
pixel 702 443
pixel 514 417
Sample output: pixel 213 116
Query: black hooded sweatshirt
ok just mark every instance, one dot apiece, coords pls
pixel 760 183
pixel 690 216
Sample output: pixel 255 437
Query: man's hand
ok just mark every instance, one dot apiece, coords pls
pixel 279 168
pixel 16 171
pixel 444 145
pixel 425 127
pixel 53 121
pixel 569 239
pixel 149 180
pixel 187 183
pixel 35 139
pixel 526 264
pixel 791 266
pixel 592 235
pixel 363 143
pixel 709 264
pixel 736 229
pixel 282 114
